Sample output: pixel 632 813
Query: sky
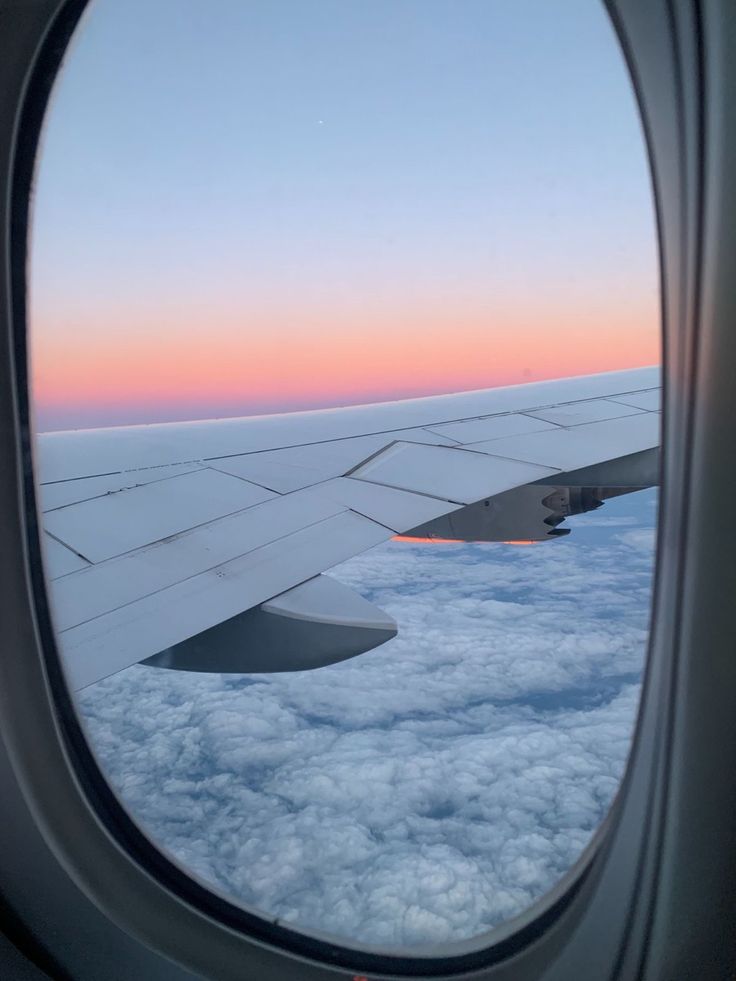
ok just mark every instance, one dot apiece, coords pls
pixel 265 206
pixel 287 205
pixel 429 789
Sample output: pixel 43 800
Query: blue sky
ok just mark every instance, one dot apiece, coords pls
pixel 258 206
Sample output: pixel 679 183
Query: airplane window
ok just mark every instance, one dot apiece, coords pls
pixel 344 350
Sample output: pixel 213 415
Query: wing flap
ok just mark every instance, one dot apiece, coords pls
pixel 147 626
pixel 579 446
pixel 101 588
pixel 119 522
pixel 448 473
pixel 67 492
pixel 398 510
pixel 493 427
pixel 649 401
pixel 282 478
pixel 580 413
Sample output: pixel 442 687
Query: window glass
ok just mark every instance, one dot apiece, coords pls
pixel 393 654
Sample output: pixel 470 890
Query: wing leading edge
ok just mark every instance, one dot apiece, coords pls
pixel 201 546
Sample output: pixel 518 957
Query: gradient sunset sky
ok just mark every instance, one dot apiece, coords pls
pixel 246 207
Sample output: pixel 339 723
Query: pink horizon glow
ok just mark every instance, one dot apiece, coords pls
pixel 150 367
pixel 111 384
pixel 359 229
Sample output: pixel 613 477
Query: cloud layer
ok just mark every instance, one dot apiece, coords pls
pixel 427 790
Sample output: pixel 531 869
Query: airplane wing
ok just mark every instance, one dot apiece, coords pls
pixel 202 545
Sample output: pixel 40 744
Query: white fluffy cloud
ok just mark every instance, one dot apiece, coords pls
pixel 424 791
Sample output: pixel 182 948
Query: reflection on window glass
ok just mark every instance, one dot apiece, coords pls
pixel 247 214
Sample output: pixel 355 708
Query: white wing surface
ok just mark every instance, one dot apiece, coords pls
pixel 202 545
